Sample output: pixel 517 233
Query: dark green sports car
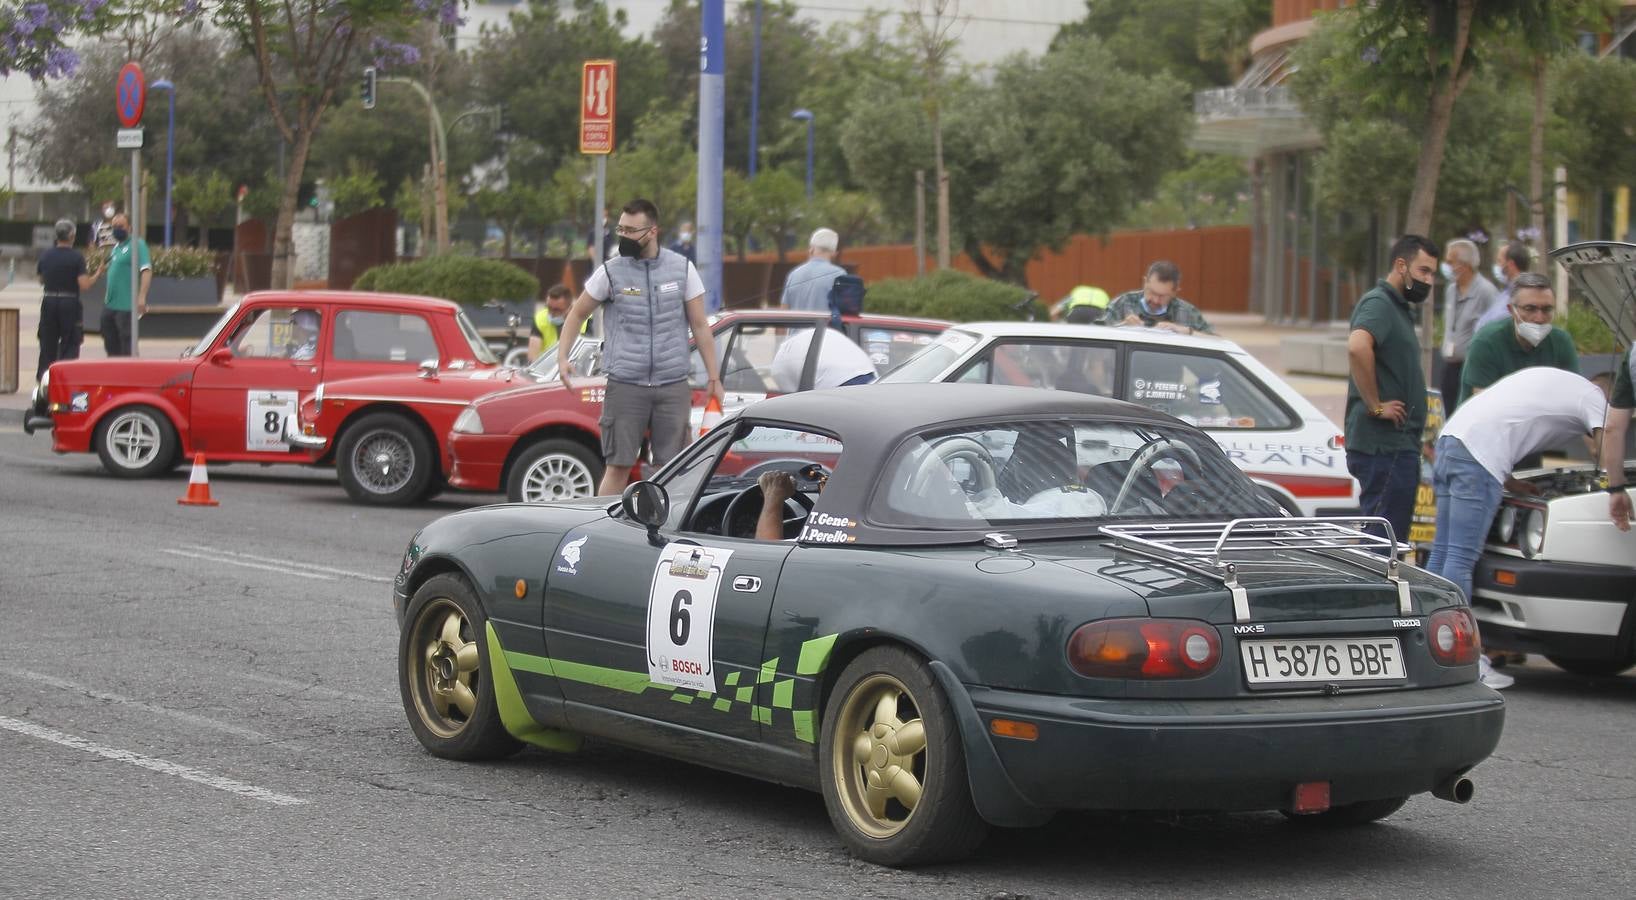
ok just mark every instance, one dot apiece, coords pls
pixel 988 604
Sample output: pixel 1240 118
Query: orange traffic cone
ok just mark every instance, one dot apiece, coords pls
pixel 712 415
pixel 198 485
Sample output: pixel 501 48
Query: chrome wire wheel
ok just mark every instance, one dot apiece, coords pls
pixel 443 668
pixel 133 439
pixel 383 461
pixel 556 476
pixel 879 755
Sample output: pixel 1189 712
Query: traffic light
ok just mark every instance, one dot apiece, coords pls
pixel 368 87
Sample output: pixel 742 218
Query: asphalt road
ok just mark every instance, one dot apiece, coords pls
pixel 204 702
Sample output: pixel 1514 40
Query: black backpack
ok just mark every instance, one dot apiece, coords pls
pixel 846 295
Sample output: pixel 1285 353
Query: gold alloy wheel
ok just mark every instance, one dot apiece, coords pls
pixel 879 755
pixel 443 668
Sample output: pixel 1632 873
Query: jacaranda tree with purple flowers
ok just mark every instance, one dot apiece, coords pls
pixel 307 50
pixel 34 35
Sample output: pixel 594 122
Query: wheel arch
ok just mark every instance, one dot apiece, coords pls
pixel 566 430
pixel 434 564
pixel 401 409
pixel 173 417
pixel 997 799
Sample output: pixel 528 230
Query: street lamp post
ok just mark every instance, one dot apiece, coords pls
pixel 164 84
pixel 805 115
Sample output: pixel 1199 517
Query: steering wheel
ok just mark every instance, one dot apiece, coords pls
pixel 803 506
pixel 1143 460
pixel 936 466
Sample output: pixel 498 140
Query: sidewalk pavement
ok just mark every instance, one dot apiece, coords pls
pixel 1248 330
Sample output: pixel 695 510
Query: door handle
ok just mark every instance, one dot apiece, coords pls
pixel 747 584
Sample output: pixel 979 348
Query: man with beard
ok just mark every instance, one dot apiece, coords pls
pixel 1386 393
pixel 650 298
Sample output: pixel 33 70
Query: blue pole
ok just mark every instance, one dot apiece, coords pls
pixel 164 84
pixel 712 96
pixel 755 89
pixel 809 158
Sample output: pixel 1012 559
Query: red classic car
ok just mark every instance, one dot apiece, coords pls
pixel 537 441
pixel 231 395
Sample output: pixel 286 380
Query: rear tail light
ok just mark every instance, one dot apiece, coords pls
pixel 1144 648
pixel 1453 636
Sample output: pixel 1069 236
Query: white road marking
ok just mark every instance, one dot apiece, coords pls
pixel 302 687
pixel 190 718
pixel 282 570
pixel 362 576
pixel 151 763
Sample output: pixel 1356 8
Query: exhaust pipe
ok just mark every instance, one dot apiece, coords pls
pixel 1455 789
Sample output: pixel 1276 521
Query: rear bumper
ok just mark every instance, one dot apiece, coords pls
pixel 1560 609
pixel 1237 754
pixel 479 460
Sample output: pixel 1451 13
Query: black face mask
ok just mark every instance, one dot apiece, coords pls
pixel 1415 291
pixel 121 234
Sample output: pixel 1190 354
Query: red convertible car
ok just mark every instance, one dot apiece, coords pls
pixel 231 395
pixel 394 438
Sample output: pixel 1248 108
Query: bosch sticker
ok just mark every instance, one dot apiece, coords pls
pixel 682 616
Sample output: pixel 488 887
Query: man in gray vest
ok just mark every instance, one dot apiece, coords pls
pixel 650 299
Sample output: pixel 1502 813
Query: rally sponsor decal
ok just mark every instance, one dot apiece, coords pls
pixel 1210 391
pixel 265 414
pixel 682 616
pixel 573 550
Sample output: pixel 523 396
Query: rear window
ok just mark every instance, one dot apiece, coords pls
pixel 939 354
pixel 1059 471
pixel 889 348
pixel 383 337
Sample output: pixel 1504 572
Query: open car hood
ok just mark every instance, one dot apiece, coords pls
pixel 1606 272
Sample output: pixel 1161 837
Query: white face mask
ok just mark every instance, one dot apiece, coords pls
pixel 1533 332
pixel 1499 274
pixel 1447 270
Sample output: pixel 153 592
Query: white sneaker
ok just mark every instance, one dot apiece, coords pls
pixel 1499 681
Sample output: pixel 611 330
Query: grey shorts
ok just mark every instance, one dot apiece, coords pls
pixel 632 410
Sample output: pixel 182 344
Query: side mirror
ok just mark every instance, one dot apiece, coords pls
pixel 428 367
pixel 221 356
pixel 646 503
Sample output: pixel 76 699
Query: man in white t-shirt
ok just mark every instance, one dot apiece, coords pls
pixel 840 362
pixel 1530 410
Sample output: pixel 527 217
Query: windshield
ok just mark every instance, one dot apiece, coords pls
pixel 479 347
pixel 585 359
pixel 932 361
pixel 1060 471
pixel 211 335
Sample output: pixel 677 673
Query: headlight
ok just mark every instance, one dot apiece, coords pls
pixel 469 422
pixel 1505 527
pixel 1533 533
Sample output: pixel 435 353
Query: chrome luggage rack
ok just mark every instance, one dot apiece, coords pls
pixel 1206 547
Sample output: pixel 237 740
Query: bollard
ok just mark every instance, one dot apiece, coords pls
pixel 9 324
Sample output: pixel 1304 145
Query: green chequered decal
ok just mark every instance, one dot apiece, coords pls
pixel 814 657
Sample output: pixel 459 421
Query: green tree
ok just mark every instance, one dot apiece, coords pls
pixel 1593 120
pixel 1202 43
pixel 781 204
pixel 1212 189
pixel 534 68
pixel 200 198
pixel 740 210
pixel 854 215
pixel 356 190
pixel 658 163
pixel 303 52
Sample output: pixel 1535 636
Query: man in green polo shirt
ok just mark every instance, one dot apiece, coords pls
pixel 1621 405
pixel 116 305
pixel 1386 394
pixel 1524 340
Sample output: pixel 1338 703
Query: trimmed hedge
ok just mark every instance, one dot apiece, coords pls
pixel 463 279
pixel 952 295
pixel 1590 333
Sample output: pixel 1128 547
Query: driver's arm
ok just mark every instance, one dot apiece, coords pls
pixel 776 487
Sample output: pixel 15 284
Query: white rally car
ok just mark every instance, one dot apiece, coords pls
pixel 1287 447
pixel 1556 577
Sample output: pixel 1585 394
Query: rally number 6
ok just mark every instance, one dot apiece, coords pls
pixel 680 619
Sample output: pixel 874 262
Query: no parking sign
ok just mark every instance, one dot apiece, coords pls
pixel 130 95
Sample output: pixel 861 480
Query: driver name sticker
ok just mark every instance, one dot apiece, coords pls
pixel 823 528
pixel 682 616
pixel 592 395
pixel 1142 389
pixel 264 418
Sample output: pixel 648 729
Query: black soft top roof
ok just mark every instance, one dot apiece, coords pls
pixel 871 421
